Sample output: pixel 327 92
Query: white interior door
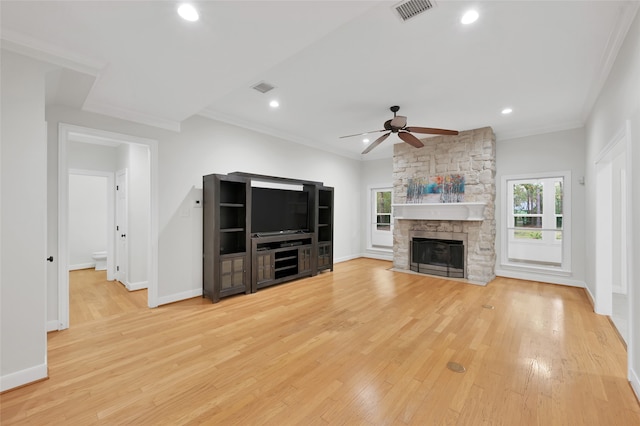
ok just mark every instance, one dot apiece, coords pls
pixel 121 227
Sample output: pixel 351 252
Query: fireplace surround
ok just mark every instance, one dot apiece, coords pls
pixel 472 154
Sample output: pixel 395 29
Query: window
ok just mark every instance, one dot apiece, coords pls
pixel 535 231
pixel 381 229
pixel 383 210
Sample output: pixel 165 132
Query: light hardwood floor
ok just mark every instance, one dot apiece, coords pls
pixel 92 297
pixel 360 346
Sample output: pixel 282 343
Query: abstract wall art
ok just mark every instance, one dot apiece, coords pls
pixel 436 189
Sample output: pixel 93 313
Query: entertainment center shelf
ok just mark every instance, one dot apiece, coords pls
pixel 263 230
pixel 280 258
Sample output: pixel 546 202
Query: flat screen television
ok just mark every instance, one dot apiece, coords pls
pixel 279 211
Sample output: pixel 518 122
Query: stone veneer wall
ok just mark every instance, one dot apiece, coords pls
pixel 471 153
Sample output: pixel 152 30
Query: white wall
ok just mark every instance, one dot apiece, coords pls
pixel 374 173
pixel 550 152
pixel 205 146
pixel 87 219
pixel 135 159
pixel 617 103
pixel 139 213
pixel 88 156
pixel 23 222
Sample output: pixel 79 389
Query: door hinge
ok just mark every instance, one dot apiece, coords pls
pixel 118 268
pixel 117 228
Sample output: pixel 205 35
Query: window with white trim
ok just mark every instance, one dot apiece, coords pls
pixel 381 229
pixel 536 231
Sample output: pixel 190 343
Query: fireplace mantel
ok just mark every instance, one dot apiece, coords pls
pixel 439 211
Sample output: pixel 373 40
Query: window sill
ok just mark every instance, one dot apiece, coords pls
pixel 548 270
pixel 385 250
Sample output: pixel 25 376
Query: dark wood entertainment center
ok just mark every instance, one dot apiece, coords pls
pixel 237 259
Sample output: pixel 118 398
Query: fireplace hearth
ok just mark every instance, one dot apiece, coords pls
pixel 444 258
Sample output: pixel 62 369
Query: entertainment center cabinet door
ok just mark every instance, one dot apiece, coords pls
pixel 324 256
pixel 264 268
pixel 233 276
pixel 304 260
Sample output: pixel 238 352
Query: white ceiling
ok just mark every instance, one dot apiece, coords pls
pixel 337 65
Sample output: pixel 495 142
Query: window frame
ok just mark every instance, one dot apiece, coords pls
pixel 507 216
pixel 376 213
pixel 372 220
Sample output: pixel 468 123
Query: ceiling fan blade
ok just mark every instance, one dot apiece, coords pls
pixel 376 143
pixel 362 134
pixel 431 131
pixel 410 139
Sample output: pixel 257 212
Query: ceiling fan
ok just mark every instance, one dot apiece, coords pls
pixel 398 124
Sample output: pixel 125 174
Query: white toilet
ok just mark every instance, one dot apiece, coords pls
pixel 100 257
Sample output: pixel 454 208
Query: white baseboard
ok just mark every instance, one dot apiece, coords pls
pixel 140 285
pixel 380 255
pixel 635 382
pixel 23 377
pixel 53 325
pixel 82 266
pixel 532 276
pixel 591 298
pixel 618 289
pixel 164 300
pixel 345 258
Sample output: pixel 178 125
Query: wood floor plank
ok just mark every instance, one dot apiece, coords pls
pixel 363 345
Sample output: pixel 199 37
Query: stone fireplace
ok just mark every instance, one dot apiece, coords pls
pixel 472 154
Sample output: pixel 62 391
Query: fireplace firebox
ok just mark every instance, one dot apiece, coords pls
pixel 444 258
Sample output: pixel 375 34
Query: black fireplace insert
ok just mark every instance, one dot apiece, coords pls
pixel 444 258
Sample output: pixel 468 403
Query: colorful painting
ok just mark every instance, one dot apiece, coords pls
pixel 436 189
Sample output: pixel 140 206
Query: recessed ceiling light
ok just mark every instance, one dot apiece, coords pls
pixel 469 17
pixel 274 104
pixel 188 12
pixel 507 111
pixel 365 140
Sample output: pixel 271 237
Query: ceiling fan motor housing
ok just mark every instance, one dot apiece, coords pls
pixel 398 122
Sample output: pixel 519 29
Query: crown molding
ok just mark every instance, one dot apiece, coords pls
pixel 627 13
pixel 568 125
pixel 214 115
pixel 129 115
pixel 27 46
pixel 46 52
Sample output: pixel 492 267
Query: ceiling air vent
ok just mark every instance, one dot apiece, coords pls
pixel 411 8
pixel 263 87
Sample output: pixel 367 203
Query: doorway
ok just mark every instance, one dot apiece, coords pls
pixel 90 218
pixel 67 133
pixel 612 227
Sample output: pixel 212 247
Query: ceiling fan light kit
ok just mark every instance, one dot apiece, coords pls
pixel 398 124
